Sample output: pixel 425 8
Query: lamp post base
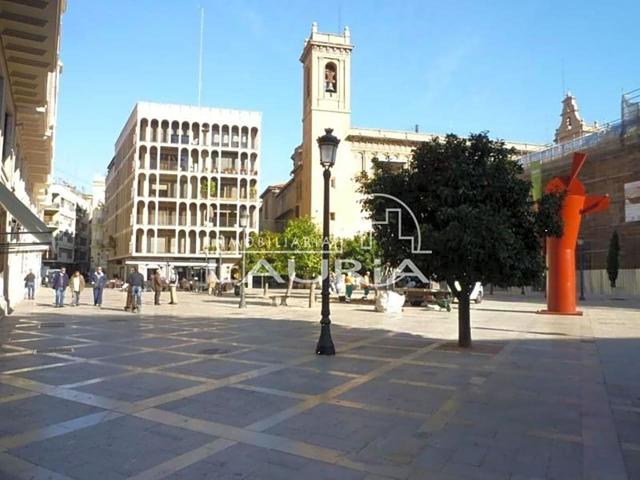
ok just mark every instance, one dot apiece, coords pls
pixel 325 343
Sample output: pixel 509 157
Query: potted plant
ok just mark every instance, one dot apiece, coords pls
pixel 213 189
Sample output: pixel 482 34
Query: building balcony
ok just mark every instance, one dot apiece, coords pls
pixel 51 207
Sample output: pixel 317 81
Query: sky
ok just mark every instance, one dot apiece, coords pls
pixel 457 66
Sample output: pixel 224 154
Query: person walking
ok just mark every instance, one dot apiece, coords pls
pixel 98 282
pixel 173 287
pixel 77 285
pixel 349 285
pixel 156 284
pixel 59 285
pixel 30 284
pixel 136 283
pixel 212 281
pixel 366 281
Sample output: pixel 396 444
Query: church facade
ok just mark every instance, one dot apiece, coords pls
pixel 326 62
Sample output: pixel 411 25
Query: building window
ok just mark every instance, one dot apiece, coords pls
pixel 7 146
pixel 330 78
pixel 307 82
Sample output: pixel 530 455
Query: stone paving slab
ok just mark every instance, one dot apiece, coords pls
pixel 232 406
pixel 209 391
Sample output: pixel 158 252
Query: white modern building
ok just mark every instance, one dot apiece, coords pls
pixel 180 179
pixel 29 78
pixel 66 214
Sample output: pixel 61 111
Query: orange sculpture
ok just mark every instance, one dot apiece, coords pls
pixel 561 256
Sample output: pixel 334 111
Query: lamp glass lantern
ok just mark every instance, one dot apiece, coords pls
pixel 244 219
pixel 328 144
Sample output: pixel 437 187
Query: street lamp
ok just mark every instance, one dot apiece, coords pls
pixel 244 220
pixel 581 266
pixel 328 144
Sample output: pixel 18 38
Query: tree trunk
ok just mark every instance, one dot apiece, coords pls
pixel 464 319
pixel 289 288
pixel 312 298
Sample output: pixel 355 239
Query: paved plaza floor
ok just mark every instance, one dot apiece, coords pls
pixel 203 390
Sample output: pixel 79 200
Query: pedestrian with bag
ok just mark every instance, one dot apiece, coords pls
pixel 173 287
pixel 59 285
pixel 77 286
pixel 30 284
pixel 98 282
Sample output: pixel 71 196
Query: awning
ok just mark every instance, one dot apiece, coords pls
pixel 34 235
pixel 161 265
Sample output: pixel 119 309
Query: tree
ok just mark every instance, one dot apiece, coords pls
pixel 363 248
pixel 303 241
pixel 264 246
pixel 613 258
pixel 473 210
pixel 300 243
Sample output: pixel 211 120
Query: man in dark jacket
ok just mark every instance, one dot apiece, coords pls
pixel 60 284
pixel 30 284
pixel 98 282
pixel 157 287
pixel 136 282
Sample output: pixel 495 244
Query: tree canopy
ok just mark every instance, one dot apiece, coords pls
pixel 473 210
pixel 301 242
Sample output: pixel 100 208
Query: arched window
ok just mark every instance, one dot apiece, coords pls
pixel 144 124
pixel 330 78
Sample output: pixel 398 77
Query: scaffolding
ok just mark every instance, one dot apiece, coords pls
pixel 628 124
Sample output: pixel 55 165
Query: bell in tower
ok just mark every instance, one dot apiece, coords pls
pixel 330 78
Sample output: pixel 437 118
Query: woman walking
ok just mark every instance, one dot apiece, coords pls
pixel 77 285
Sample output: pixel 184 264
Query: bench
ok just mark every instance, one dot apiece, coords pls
pixel 274 300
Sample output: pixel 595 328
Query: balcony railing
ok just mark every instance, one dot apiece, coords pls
pixel 561 149
pixel 231 223
pixel 171 165
pixel 167 221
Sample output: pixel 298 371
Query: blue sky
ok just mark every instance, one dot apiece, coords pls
pixel 459 66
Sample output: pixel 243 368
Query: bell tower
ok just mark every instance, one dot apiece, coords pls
pixel 326 61
pixel 326 103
